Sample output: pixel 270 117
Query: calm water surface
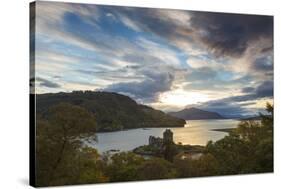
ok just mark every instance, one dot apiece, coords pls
pixel 195 132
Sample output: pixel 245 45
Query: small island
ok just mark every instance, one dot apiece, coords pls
pixel 166 148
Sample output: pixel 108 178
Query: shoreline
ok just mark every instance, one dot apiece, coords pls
pixel 148 128
pixel 143 128
pixel 226 130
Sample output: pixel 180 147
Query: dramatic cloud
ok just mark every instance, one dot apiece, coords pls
pixel 147 90
pixel 230 34
pixel 264 64
pixel 265 89
pixel 231 106
pixel 222 61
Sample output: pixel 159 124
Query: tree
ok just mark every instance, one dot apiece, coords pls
pixel 91 167
pixel 170 151
pixel 248 149
pixel 124 166
pixel 58 144
pixel 156 168
pixel 206 165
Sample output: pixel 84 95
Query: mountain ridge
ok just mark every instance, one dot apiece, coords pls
pixel 196 114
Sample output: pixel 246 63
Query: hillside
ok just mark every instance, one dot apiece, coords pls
pixel 195 114
pixel 112 111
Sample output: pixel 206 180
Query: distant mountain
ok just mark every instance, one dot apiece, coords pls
pixel 112 111
pixel 251 118
pixel 196 114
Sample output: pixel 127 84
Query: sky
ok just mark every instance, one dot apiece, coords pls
pixel 167 59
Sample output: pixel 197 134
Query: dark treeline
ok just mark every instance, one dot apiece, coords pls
pixel 112 111
pixel 62 159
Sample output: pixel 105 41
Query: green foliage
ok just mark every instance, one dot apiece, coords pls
pixel 127 166
pixel 231 154
pixel 148 150
pixel 170 150
pixel 156 168
pixel 206 165
pixel 90 167
pixel 71 121
pixel 248 149
pixel 60 158
pixel 124 167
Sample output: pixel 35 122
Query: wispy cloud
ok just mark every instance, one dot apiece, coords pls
pixel 145 53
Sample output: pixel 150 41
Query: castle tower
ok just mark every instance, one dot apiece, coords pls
pixel 168 136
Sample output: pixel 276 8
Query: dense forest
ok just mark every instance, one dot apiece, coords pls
pixel 112 111
pixel 62 159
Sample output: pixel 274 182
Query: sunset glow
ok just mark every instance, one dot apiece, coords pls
pixel 180 98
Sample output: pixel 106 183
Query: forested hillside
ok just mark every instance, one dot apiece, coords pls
pixel 112 111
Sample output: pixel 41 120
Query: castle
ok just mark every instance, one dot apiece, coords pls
pixel 159 142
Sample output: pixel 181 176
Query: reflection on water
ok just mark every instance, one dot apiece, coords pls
pixel 195 132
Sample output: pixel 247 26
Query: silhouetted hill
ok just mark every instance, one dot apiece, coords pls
pixel 251 118
pixel 112 111
pixel 195 114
